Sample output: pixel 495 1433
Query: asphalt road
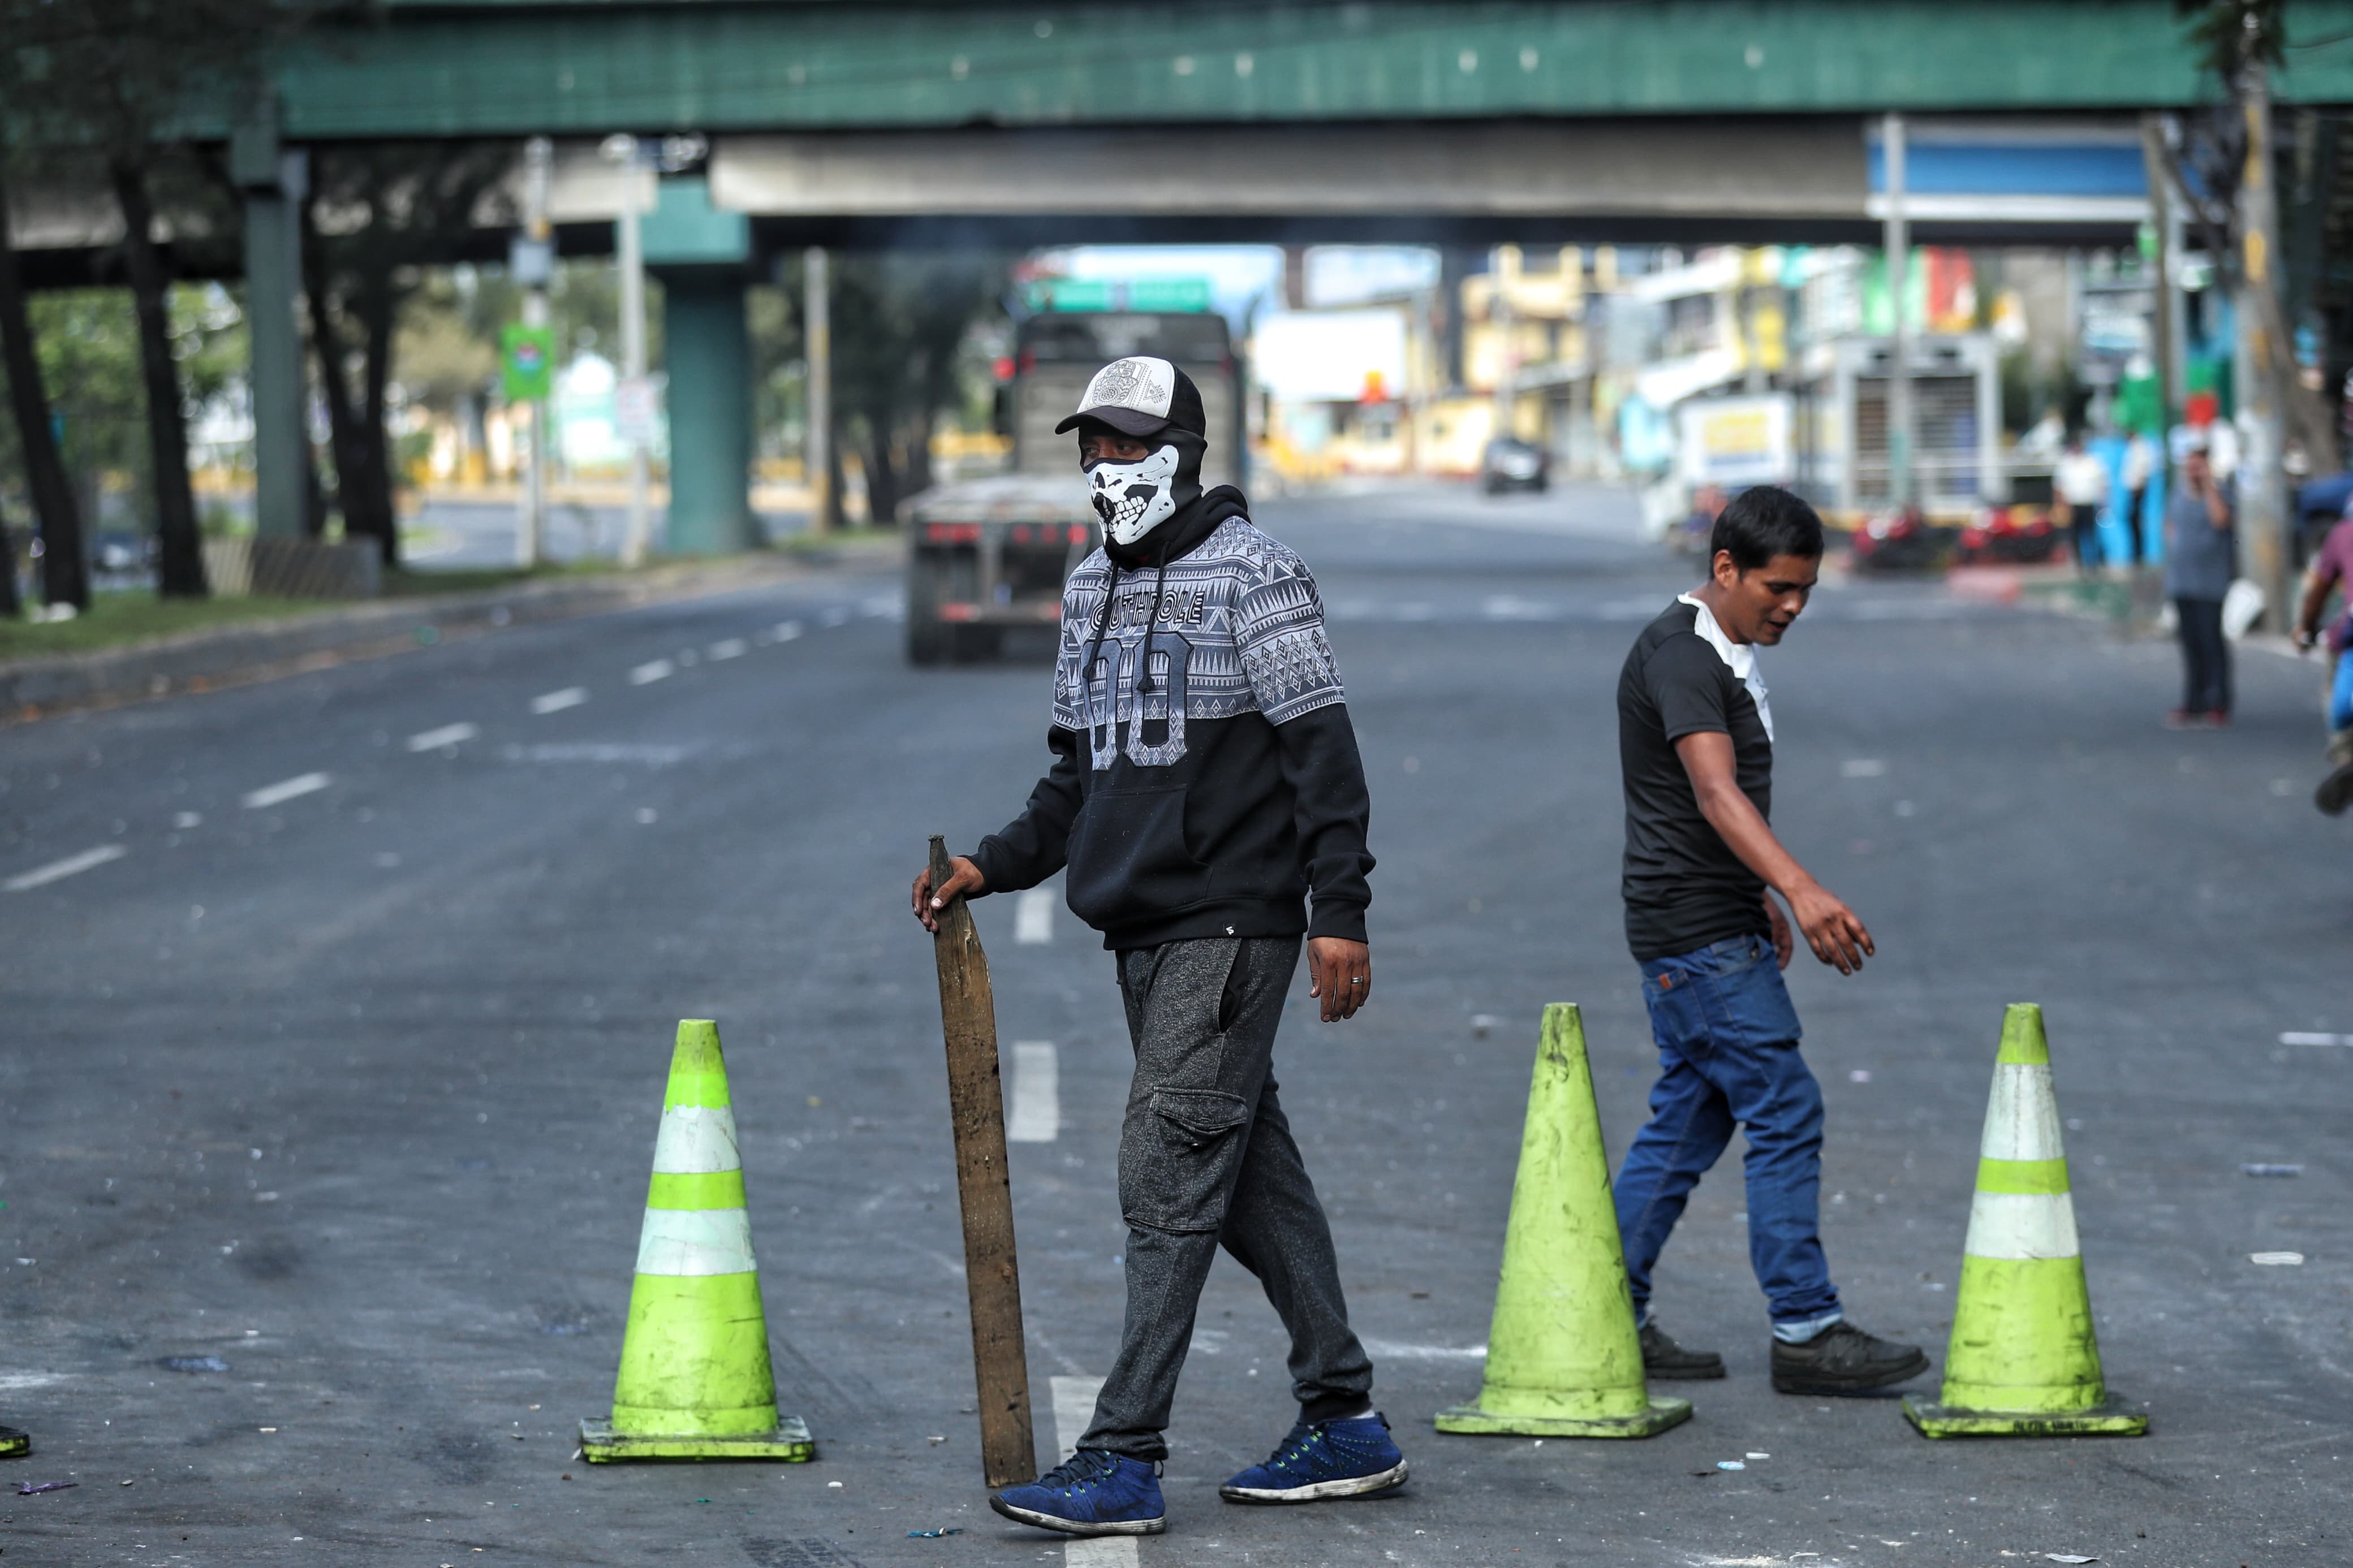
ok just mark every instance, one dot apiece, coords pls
pixel 354 1092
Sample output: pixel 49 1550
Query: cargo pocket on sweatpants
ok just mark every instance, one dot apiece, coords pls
pixel 1186 1162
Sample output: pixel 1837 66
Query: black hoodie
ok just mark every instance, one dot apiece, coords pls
pixel 1205 776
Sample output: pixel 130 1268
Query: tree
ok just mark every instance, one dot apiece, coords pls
pixel 109 81
pixel 377 217
pixel 899 324
pixel 65 572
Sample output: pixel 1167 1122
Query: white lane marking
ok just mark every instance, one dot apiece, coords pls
pixel 447 735
pixel 1390 1350
pixel 787 630
pixel 836 618
pixel 1033 918
pixel 650 672
pixel 2299 1038
pixel 1036 1094
pixel 1074 1412
pixel 2277 1260
pixel 10 1382
pixel 726 648
pixel 56 870
pixel 285 790
pixel 695 1242
pixel 557 701
pixel 1863 768
pixel 187 819
pixel 652 756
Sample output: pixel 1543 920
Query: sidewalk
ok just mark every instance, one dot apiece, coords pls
pixel 212 659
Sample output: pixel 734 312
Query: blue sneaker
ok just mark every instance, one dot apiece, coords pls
pixel 1092 1492
pixel 1324 1459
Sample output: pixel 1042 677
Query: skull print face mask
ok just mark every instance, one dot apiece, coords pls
pixel 1134 498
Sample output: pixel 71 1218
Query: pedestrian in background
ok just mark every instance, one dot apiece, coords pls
pixel 1206 789
pixel 2331 569
pixel 2200 558
pixel 2081 482
pixel 2139 471
pixel 1695 749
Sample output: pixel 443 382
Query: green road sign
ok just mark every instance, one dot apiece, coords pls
pixel 1127 294
pixel 526 362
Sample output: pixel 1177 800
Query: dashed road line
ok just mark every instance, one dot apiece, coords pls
pixel 1074 1411
pixel 653 669
pixel 446 735
pixel 1033 918
pixel 58 870
pixel 285 790
pixel 2306 1037
pixel 557 701
pixel 1037 1116
pixel 786 631
pixel 727 648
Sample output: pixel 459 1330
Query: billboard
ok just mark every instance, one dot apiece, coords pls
pixel 1734 441
pixel 1331 357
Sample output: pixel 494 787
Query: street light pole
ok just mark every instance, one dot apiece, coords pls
pixel 539 163
pixel 816 314
pixel 2262 352
pixel 1898 245
pixel 629 240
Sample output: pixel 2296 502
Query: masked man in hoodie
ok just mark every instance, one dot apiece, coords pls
pixel 1205 791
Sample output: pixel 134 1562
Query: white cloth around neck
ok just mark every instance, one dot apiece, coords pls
pixel 1739 658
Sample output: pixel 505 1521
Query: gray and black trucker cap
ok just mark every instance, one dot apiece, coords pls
pixel 1140 395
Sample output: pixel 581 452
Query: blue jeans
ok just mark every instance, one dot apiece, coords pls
pixel 1728 1041
pixel 2341 694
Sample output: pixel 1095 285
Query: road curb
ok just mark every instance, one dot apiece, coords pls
pixel 213 659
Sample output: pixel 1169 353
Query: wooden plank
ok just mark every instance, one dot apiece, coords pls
pixel 1009 1453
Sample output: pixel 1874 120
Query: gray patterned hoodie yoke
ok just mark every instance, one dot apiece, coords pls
pixel 1205 778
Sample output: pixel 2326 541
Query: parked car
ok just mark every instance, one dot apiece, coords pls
pixel 2008 535
pixel 1514 465
pixel 120 550
pixel 1904 541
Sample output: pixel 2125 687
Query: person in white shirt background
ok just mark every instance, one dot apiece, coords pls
pixel 2081 482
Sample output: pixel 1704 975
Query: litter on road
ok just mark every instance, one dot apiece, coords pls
pixel 935 1534
pixel 26 1488
pixel 2259 1170
pixel 2277 1260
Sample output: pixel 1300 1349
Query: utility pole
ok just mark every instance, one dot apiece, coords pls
pixel 636 394
pixel 816 318
pixel 2261 480
pixel 535 259
pixel 2165 319
pixel 1898 244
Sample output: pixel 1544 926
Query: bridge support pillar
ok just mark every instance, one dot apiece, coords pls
pixel 274 183
pixel 702 256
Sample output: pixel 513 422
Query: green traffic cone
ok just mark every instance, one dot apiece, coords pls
pixel 1563 1358
pixel 694 1382
pixel 2023 1361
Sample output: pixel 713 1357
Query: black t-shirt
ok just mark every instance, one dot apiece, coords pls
pixel 1684 887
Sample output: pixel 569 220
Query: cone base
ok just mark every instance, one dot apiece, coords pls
pixel 2111 1417
pixel 789 1442
pixel 1470 1420
pixel 15 1444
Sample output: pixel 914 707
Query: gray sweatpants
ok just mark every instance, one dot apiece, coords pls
pixel 1206 1158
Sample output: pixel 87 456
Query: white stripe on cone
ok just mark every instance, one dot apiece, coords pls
pixel 2022 1118
pixel 695 1242
pixel 695 1139
pixel 2019 1225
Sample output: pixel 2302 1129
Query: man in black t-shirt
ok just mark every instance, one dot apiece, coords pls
pixel 1696 745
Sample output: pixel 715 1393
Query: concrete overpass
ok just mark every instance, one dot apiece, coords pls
pixel 976 120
